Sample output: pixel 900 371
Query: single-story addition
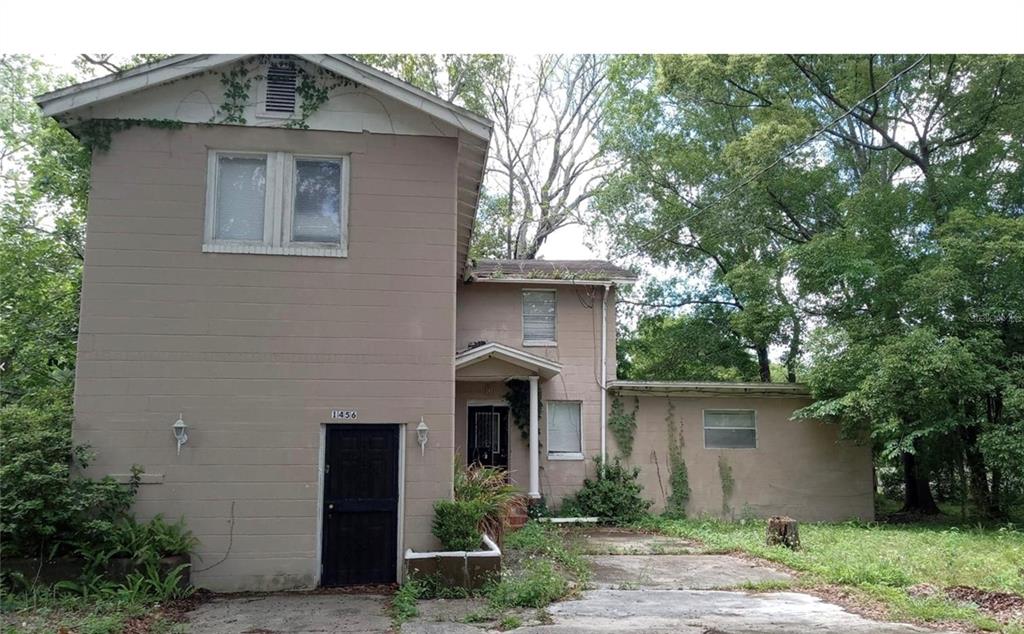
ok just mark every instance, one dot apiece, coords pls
pixel 281 322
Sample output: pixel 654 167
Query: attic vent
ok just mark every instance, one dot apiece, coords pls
pixel 281 88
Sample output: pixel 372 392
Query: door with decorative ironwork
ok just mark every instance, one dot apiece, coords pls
pixel 487 436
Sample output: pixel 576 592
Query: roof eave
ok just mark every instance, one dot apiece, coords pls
pixel 508 279
pixel 711 388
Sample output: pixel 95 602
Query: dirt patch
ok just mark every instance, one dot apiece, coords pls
pixel 1004 605
pixel 174 611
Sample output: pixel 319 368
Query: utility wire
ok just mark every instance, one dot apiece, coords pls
pixel 822 130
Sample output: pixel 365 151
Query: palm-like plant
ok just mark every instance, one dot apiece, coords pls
pixel 489 487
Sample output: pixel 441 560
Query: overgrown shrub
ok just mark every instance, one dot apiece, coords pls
pixel 614 495
pixel 47 511
pixel 489 487
pixel 456 523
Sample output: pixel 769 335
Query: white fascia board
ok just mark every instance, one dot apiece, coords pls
pixel 550 282
pixel 119 84
pixel 404 92
pixel 525 360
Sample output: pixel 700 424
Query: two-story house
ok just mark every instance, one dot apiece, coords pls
pixel 281 323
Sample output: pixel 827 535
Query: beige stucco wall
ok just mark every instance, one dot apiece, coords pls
pixel 255 351
pixel 799 468
pixel 492 311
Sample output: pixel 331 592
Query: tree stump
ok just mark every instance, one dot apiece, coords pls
pixel 783 530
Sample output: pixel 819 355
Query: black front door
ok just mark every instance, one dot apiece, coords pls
pixel 487 436
pixel 360 540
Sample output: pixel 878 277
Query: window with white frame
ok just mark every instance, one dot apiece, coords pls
pixel 730 429
pixel 564 431
pixel 276 203
pixel 539 317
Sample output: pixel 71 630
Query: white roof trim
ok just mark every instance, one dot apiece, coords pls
pixel 535 364
pixel 711 388
pixel 119 84
pixel 507 279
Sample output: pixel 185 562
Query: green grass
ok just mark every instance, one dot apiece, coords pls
pixel 881 561
pixel 46 611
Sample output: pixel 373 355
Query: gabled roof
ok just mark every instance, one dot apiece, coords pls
pixel 176 67
pixel 574 271
pixel 531 363
pixel 473 131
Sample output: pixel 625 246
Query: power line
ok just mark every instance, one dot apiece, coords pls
pixel 822 130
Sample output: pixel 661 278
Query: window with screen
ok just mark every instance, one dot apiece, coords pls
pixel 539 317
pixel 730 429
pixel 564 438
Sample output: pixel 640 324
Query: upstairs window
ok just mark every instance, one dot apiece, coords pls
pixel 564 431
pixel 539 318
pixel 276 203
pixel 730 429
pixel 279 98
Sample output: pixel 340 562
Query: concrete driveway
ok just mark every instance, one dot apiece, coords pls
pixel 639 591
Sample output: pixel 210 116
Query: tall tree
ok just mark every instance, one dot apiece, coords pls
pixel 842 183
pixel 44 184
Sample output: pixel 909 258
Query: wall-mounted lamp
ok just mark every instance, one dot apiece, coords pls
pixel 180 432
pixel 421 435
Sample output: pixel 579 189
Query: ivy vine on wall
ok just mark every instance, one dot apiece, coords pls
pixel 97 134
pixel 623 425
pixel 518 398
pixel 678 479
pixel 312 89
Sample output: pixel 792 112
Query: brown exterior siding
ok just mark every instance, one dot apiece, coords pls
pixel 799 468
pixel 255 350
pixel 489 311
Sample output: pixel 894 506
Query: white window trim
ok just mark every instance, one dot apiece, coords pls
pixel 538 343
pixel 562 455
pixel 278 208
pixel 704 436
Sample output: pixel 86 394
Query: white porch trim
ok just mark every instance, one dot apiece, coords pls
pixel 534 364
pixel 534 491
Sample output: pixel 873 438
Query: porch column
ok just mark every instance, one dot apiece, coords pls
pixel 534 491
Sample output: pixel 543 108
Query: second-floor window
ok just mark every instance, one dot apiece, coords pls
pixel 539 318
pixel 276 203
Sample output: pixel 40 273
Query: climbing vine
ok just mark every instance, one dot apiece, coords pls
pixel 518 399
pixel 236 82
pixel 312 90
pixel 623 425
pixel 97 134
pixel 678 480
pixel 725 475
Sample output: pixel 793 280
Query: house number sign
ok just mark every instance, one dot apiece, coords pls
pixel 344 414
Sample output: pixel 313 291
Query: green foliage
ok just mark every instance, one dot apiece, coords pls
pixel 489 488
pixel 97 134
pixel 679 479
pixel 904 250
pixel 46 510
pixel 614 495
pixel 456 523
pixel 698 347
pixel 518 398
pixel 536 585
pixel 459 78
pixel 623 425
pixel 538 540
pixel 237 82
pixel 403 603
pixel 42 212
